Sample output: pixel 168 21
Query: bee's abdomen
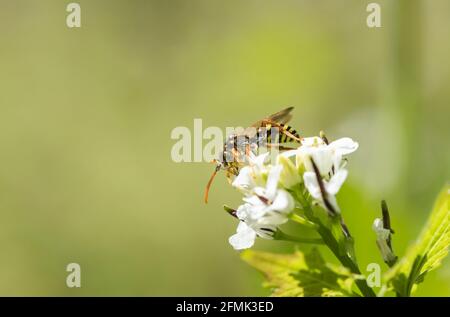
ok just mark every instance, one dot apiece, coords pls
pixel 264 134
pixel 284 137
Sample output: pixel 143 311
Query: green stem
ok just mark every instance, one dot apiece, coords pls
pixel 345 260
pixel 300 220
pixel 333 245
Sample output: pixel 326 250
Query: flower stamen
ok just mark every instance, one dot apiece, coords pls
pixel 264 199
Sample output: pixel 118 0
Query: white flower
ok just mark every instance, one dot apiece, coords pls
pixel 251 175
pixel 262 212
pixel 315 153
pixel 249 228
pixel 260 183
pixel 331 188
pixel 246 234
pixel 271 200
pixel 327 157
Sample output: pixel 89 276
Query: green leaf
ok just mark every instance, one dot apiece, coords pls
pixel 428 251
pixel 298 274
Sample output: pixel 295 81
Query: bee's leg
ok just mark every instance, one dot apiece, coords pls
pixel 281 130
pixel 280 147
pixel 236 155
pixel 294 137
pixel 247 149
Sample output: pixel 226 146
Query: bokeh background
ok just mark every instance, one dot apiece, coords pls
pixel 86 114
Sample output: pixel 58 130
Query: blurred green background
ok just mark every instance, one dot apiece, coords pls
pixel 86 115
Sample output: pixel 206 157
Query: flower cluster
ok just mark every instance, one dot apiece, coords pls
pixel 316 167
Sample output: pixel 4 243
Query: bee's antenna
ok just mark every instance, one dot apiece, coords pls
pixel 208 186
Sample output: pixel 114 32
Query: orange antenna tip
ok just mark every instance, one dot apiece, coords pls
pixel 208 186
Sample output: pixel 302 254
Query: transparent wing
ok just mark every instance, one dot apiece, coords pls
pixel 282 117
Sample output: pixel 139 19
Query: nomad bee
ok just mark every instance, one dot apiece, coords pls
pixel 272 131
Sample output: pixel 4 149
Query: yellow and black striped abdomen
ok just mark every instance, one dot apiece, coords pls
pixel 281 134
pixel 284 137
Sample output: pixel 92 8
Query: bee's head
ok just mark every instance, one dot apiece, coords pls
pixel 219 165
pixel 221 161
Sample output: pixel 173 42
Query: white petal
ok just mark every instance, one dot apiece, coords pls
pixel 332 200
pixel 273 218
pixel 265 231
pixel 312 141
pixel 335 183
pixel 289 153
pixel 260 191
pixel 244 237
pixel 259 160
pixel 283 202
pixel 256 208
pixel 344 146
pixel 272 181
pixel 337 159
pixel 311 184
pixel 243 211
pixel 243 227
pixel 244 180
pixel 258 211
pixel 323 157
